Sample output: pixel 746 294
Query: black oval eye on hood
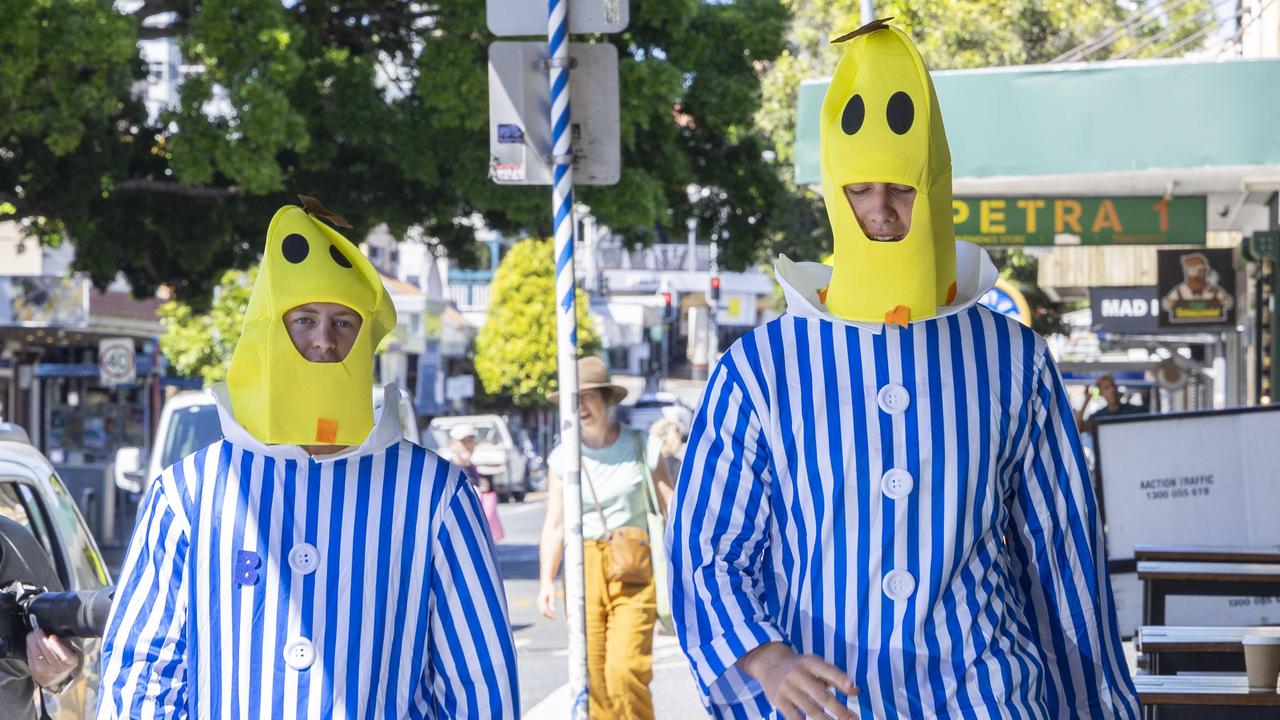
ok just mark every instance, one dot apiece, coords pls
pixel 900 113
pixel 338 257
pixel 295 248
pixel 854 113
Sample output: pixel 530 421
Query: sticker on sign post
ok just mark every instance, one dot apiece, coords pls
pixel 520 134
pixel 507 172
pixel 612 12
pixel 509 134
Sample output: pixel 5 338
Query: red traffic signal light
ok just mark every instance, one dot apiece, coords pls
pixel 666 299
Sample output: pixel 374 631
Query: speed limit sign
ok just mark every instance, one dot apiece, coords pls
pixel 116 362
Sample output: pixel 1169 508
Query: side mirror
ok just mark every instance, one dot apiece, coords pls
pixel 127 469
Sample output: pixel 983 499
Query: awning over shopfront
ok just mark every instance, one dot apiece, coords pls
pixel 1159 127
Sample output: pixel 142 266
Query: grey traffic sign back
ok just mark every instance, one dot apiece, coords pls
pixel 1266 243
pixel 520 114
pixel 522 18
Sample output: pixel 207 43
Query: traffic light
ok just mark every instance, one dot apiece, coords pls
pixel 667 310
pixel 715 289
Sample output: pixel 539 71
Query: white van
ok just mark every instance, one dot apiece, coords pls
pixel 496 456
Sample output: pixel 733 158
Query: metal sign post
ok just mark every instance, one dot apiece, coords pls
pixel 567 345
pixel 520 130
pixel 519 155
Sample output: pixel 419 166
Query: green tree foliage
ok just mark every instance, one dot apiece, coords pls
pixel 377 107
pixel 956 34
pixel 516 348
pixel 199 344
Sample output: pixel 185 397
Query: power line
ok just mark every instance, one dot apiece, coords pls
pixel 1223 45
pixel 1115 32
pixel 1184 41
pixel 1133 24
pixel 1238 38
pixel 1171 29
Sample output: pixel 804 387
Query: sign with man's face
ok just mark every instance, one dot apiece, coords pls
pixel 1196 288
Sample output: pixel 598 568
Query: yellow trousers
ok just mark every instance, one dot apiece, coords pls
pixel 620 620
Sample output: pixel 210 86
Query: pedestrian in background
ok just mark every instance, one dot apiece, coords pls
pixel 1107 389
pixel 462 445
pixel 671 444
pixel 621 479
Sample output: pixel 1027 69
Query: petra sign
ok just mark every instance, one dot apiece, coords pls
pixel 1080 220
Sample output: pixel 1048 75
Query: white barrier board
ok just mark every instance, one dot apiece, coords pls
pixel 1191 479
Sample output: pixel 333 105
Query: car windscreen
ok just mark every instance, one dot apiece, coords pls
pixel 190 429
pixel 486 433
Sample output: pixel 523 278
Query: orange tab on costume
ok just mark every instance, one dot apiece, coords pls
pixel 326 430
pixel 900 316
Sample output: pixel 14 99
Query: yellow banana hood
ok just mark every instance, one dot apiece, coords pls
pixel 880 123
pixel 279 396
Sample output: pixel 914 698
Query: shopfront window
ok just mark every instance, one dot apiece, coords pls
pixel 87 423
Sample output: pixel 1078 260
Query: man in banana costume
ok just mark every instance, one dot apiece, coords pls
pixel 884 510
pixel 313 562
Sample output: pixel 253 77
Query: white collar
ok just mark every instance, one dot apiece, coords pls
pixel 386 430
pixel 975 276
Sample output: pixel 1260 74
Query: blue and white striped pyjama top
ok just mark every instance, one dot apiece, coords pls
pixel 910 504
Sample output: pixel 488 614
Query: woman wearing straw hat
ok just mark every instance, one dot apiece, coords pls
pixel 618 469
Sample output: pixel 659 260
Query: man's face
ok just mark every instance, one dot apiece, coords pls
pixel 883 209
pixel 323 332
pixel 1107 388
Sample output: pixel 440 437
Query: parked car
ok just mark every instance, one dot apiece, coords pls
pixel 497 456
pixel 32 494
pixel 189 421
pixel 652 407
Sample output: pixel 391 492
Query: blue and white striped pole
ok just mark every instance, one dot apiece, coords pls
pixel 567 346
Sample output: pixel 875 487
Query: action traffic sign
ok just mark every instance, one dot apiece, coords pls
pixel 522 18
pixel 520 133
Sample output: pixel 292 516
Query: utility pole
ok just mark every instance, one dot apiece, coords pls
pixel 667 316
pixel 713 304
pixel 691 245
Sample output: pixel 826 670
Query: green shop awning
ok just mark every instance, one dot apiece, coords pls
pixel 1123 118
